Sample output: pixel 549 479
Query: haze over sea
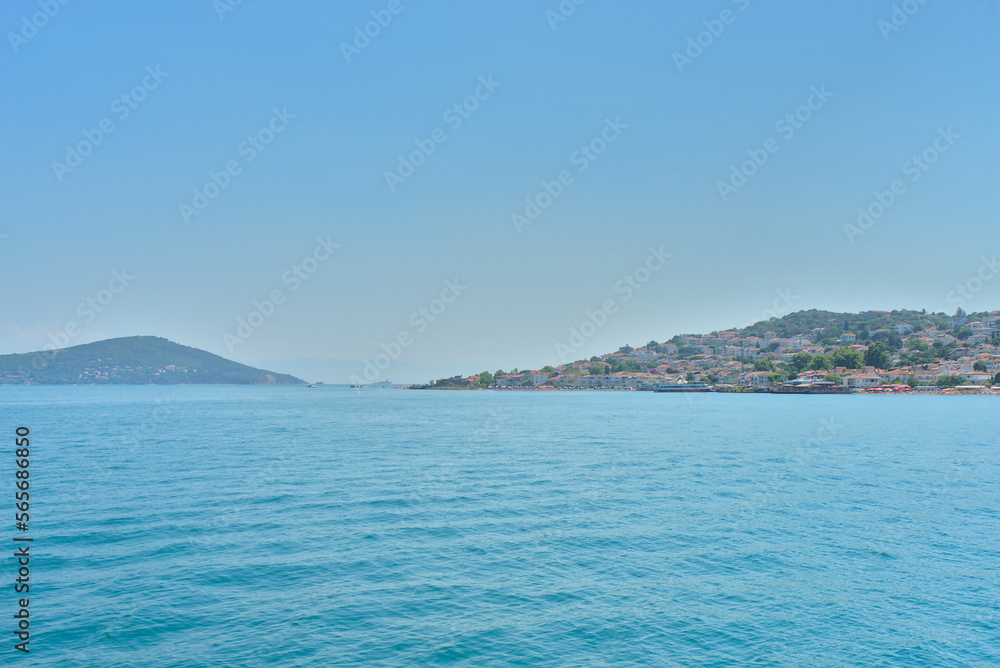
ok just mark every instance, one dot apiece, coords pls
pixel 253 526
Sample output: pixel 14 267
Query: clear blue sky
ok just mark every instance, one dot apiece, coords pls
pixel 679 132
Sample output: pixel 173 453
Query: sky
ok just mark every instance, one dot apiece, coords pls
pixel 418 189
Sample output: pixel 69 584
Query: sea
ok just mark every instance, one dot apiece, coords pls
pixel 330 526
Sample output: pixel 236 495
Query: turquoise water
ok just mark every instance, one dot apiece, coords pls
pixel 253 526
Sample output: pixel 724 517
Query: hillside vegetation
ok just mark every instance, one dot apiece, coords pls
pixel 136 360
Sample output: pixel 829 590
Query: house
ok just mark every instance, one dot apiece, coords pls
pixel 847 336
pixel 799 342
pixel 538 377
pixel 757 379
pixel 770 336
pixel 904 328
pixel 976 377
pixel 862 380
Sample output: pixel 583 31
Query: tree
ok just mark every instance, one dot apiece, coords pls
pixel 912 381
pixel 821 363
pixel 979 366
pixel 996 379
pixel 763 365
pixel 877 356
pixel 597 370
pixel 917 344
pixel 626 349
pixel 847 358
pixel 546 369
pixel 689 377
pixel 959 313
pixel 486 379
pixel 952 381
pixel 799 362
pixel 833 378
pixel 712 379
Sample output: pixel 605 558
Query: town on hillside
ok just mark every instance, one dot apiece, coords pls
pixel 873 351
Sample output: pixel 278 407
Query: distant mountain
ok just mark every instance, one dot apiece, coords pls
pixel 135 360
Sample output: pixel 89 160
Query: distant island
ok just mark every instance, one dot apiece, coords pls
pixel 873 351
pixel 136 360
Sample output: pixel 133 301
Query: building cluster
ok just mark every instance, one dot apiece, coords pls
pixel 763 361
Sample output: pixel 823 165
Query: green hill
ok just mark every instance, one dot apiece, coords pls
pixel 136 360
pixel 804 322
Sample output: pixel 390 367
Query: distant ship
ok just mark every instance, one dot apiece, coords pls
pixel 697 386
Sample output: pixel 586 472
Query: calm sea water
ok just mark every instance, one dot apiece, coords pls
pixel 253 526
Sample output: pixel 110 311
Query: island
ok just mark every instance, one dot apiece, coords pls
pixel 814 351
pixel 135 360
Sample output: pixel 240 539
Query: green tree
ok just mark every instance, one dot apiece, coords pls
pixel 952 381
pixel 689 377
pixel 546 369
pixel 877 356
pixel 847 358
pixel 979 366
pixel 486 379
pixel 763 365
pixel 833 378
pixel 799 362
pixel 996 379
pixel 917 344
pixel 821 363
pixel 597 370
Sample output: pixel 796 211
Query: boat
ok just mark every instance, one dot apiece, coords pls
pixel 696 386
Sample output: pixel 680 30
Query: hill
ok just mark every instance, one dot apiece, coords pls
pixel 136 360
pixel 834 324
